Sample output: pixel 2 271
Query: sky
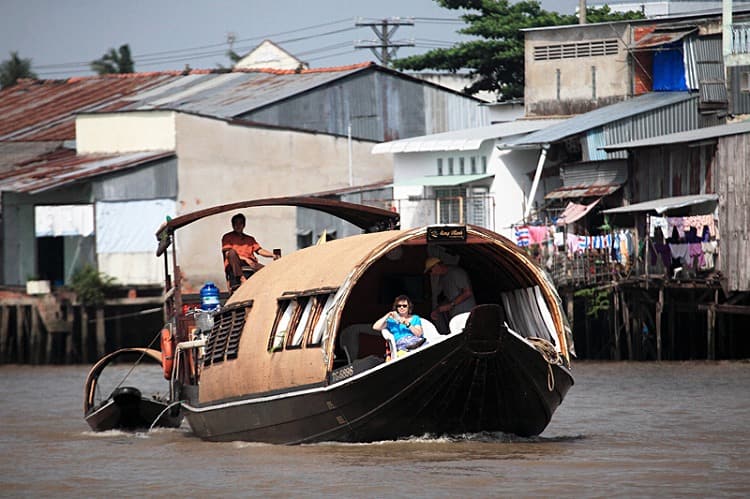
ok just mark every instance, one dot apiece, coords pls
pixel 61 37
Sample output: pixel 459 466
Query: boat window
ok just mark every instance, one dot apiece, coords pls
pixel 299 331
pixel 298 318
pixel 320 319
pixel 224 341
pixel 282 325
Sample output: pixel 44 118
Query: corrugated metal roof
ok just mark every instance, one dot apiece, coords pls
pixel 64 166
pixel 602 116
pixel 463 140
pixel 37 110
pixel 697 204
pixel 444 180
pixel 658 38
pixel 228 95
pixel 595 179
pixel 696 135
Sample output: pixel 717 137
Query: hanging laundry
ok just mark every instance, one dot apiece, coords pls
pixel 522 236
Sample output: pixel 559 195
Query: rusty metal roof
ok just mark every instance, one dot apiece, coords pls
pixel 44 110
pixel 64 166
pixel 658 38
pixel 229 95
pixel 582 191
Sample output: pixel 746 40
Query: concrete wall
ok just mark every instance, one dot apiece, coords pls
pixel 581 88
pixel 221 163
pixel 125 132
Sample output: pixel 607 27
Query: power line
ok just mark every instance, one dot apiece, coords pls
pixel 384 47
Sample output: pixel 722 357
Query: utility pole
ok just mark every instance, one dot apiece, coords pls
pixel 384 48
pixel 581 11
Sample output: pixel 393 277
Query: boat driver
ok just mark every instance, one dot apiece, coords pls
pixel 239 250
pixel 452 282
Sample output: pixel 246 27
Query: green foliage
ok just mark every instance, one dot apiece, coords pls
pixel 496 56
pixel 114 62
pixel 90 285
pixel 597 300
pixel 13 69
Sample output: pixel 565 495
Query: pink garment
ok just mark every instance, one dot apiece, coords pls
pixel 538 235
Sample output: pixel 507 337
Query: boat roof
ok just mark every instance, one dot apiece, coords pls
pixel 369 218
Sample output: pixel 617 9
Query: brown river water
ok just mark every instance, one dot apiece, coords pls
pixel 625 430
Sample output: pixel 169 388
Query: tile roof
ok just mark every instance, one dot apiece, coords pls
pixel 64 166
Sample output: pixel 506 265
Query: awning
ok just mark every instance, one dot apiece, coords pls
pixel 659 38
pixel 699 204
pixel 445 180
pixel 582 191
pixel 575 212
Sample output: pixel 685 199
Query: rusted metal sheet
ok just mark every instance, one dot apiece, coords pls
pixel 64 166
pixel 37 110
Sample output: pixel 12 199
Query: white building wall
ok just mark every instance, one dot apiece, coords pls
pixel 512 172
pixel 125 132
pixel 221 163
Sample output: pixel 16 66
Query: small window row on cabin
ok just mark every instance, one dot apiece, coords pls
pixel 300 320
pixel 224 341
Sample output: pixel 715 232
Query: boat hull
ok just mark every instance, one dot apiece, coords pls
pixel 468 382
pixel 127 409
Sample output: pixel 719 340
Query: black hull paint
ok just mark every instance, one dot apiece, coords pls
pixel 126 409
pixel 465 383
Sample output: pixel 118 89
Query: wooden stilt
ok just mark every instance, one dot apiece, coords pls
pixel 625 322
pixel 616 307
pixel 48 348
pixel 659 310
pixel 101 336
pixel 711 328
pixel 20 320
pixel 69 345
pixel 35 337
pixel 4 320
pixel 84 335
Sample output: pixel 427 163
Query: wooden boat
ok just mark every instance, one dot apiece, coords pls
pixel 126 407
pixel 290 357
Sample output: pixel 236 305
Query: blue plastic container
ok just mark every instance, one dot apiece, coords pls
pixel 209 296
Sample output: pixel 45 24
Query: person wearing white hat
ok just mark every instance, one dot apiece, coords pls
pixel 454 284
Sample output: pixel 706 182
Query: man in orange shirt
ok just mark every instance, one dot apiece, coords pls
pixel 239 251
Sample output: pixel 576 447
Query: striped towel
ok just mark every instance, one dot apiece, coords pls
pixel 522 235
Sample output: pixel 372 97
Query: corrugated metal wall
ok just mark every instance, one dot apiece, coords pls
pixel 733 187
pixel 670 119
pixel 659 172
pixel 381 106
pixel 739 102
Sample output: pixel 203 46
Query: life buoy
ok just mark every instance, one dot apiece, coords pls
pixel 167 352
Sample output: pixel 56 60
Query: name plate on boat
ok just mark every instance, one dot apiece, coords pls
pixel 446 234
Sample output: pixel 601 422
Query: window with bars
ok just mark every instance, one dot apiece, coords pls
pixel 224 341
pixel 300 320
pixel 576 50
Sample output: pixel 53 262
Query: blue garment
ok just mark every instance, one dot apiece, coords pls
pixel 398 330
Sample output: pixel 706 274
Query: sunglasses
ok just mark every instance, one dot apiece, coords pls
pixel 402 305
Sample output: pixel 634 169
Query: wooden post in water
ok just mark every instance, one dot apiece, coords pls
pixel 84 334
pixel 101 336
pixel 35 337
pixel 616 306
pixel 626 323
pixel 4 320
pixel 20 320
pixel 711 328
pixel 659 310
pixel 69 316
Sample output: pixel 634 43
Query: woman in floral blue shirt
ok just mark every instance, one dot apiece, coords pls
pixel 405 327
